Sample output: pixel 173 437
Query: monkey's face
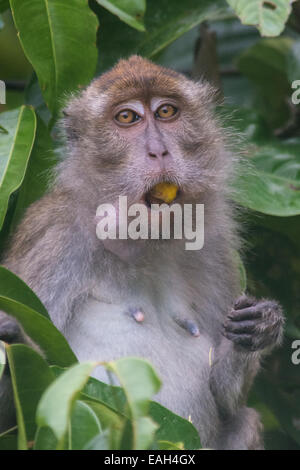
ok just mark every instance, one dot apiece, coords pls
pixel 142 125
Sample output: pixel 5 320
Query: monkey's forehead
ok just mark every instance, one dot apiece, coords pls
pixel 138 78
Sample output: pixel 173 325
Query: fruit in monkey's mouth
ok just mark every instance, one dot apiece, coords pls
pixel 162 193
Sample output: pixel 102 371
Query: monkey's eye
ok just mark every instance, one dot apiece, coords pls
pixel 127 116
pixel 166 111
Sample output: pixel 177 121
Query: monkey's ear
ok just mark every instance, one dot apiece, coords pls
pixel 71 121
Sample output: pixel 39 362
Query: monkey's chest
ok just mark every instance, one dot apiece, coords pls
pixel 106 332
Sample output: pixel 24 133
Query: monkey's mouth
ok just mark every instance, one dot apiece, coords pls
pixel 162 193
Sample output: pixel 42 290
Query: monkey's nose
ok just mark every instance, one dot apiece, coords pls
pixel 158 154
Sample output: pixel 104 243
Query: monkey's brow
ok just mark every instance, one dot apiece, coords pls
pixel 131 95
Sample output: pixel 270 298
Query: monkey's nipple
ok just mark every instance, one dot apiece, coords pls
pixel 162 192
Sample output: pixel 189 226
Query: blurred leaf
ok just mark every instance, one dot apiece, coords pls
pixel 285 410
pixel 130 11
pixel 273 186
pixel 12 287
pixel 49 33
pixel 266 65
pixel 30 375
pixel 269 16
pixel 107 416
pixel 84 426
pixel 55 408
pixel 4 5
pixel 41 331
pixel 45 439
pixel 165 21
pixel 15 149
pixel 8 442
pixel 36 181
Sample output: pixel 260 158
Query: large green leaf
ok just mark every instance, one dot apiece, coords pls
pixel 55 407
pixel 41 331
pixel 272 185
pixel 12 287
pixel 30 375
pixel 165 21
pixel 38 173
pixel 16 141
pixel 130 11
pixel 269 16
pixel 58 38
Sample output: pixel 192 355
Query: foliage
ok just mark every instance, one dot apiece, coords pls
pixel 68 42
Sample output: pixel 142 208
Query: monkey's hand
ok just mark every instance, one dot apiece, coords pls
pixel 10 330
pixel 253 324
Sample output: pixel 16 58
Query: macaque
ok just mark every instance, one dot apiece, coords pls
pixel 138 126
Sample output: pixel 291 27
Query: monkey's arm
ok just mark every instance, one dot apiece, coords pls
pixel 251 329
pixel 51 253
pixel 10 332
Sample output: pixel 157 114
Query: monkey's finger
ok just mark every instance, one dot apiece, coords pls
pixel 244 340
pixel 250 313
pixel 247 326
pixel 244 301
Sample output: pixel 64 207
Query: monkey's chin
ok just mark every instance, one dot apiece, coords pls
pixel 128 251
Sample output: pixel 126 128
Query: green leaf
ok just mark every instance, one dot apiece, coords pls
pixel 36 180
pixel 266 65
pixel 139 380
pixel 8 442
pixel 174 428
pixel 55 407
pixel 30 375
pixel 100 442
pixel 286 411
pixel 130 11
pixel 15 149
pixel 84 426
pixel 58 38
pixel 140 383
pixel 171 426
pixel 45 439
pixel 4 5
pixel 41 331
pixel 165 21
pixel 272 186
pixel 12 287
pixel 166 445
pixel 269 16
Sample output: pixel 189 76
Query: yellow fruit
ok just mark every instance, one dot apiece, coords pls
pixel 166 192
